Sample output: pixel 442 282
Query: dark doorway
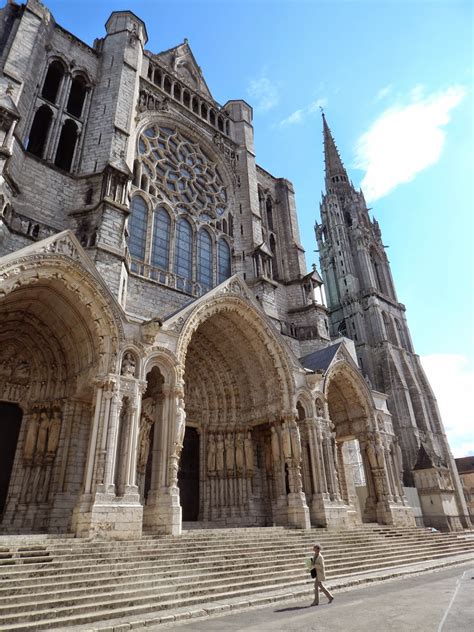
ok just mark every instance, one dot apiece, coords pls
pixel 10 423
pixel 188 479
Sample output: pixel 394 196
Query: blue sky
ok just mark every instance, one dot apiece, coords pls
pixel 395 78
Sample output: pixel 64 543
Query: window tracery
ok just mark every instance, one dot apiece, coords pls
pixel 182 172
pixel 182 190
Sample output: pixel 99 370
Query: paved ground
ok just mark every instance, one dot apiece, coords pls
pixel 440 601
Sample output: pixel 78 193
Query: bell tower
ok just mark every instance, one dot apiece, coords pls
pixel 363 306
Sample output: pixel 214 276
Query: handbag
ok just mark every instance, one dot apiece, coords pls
pixel 313 573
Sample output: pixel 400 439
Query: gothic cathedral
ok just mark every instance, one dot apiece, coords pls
pixel 165 356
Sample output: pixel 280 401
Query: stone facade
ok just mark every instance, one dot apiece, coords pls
pixel 164 354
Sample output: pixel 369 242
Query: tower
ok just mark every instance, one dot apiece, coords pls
pixel 363 306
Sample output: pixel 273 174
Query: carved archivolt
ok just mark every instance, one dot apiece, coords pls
pixel 264 341
pixel 59 265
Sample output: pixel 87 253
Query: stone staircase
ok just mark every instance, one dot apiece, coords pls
pixel 52 583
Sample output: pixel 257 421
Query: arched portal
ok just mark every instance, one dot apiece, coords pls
pixel 56 336
pixel 351 413
pixel 237 388
pixel 361 448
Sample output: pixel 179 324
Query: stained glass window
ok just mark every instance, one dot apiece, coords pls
pixel 183 249
pixel 137 228
pixel 204 264
pixel 223 260
pixel 182 171
pixel 161 239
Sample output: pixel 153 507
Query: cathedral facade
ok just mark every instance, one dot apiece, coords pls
pixel 165 356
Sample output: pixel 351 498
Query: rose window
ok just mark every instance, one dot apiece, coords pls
pixel 182 172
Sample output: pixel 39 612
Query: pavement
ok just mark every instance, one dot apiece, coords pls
pixel 436 600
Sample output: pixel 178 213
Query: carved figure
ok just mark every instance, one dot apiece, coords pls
pixel 180 425
pixel 211 454
pixel 143 444
pixel 42 440
pixel 319 408
pixel 248 447
pixel 29 444
pixel 129 365
pixel 295 441
pixel 371 455
pixel 379 451
pixel 275 445
pixel 239 452
pixel 54 432
pixel 229 453
pixel 21 374
pixel 220 454
pixel 286 440
pixel 397 452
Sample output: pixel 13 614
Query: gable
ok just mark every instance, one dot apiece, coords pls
pixel 181 62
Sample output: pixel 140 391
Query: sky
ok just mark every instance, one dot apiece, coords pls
pixel 395 78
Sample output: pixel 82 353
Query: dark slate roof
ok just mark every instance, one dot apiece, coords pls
pixel 320 359
pixel 465 464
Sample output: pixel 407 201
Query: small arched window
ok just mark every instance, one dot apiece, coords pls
pixel 137 228
pixel 66 145
pixel 160 249
pixel 224 268
pixel 39 131
pixel 183 257
pixel 52 81
pixel 77 96
pixel 204 256
pixel 167 84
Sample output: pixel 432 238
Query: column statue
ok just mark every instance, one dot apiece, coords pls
pixel 275 439
pixel 295 441
pixel 229 453
pixel 54 432
pixel 286 440
pixel 29 444
pixel 220 455
pixel 248 447
pixel 211 455
pixel 239 452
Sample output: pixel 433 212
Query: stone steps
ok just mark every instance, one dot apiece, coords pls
pixel 58 568
pixel 86 581
pixel 35 598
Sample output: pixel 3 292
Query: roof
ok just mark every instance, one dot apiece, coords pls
pixel 465 464
pixel 320 359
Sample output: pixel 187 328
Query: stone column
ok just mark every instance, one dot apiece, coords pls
pixel 98 509
pixel 162 513
pixel 297 509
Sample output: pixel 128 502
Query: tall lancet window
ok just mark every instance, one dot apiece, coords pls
pixel 224 267
pixel 183 258
pixel 160 251
pixel 137 228
pixel 204 263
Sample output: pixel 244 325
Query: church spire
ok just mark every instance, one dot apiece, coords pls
pixel 335 171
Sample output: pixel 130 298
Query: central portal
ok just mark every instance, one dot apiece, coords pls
pixel 234 393
pixel 188 479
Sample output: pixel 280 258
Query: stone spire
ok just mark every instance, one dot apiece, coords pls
pixel 335 171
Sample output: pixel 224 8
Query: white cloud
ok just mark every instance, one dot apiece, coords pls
pixel 383 92
pixel 452 380
pixel 263 93
pixel 298 116
pixel 404 140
